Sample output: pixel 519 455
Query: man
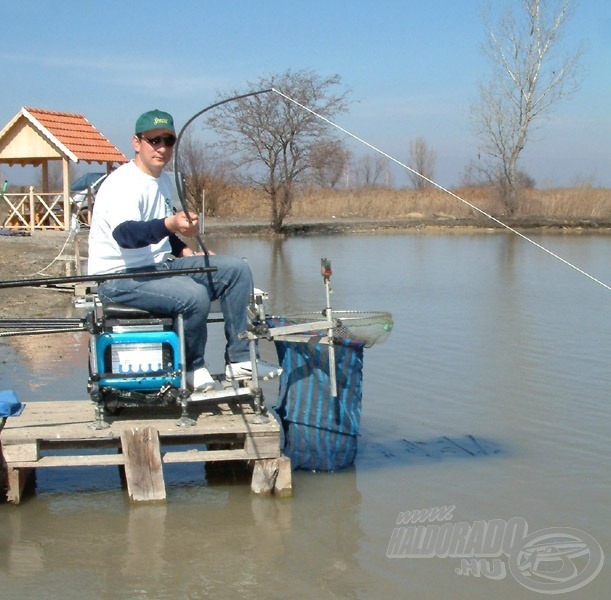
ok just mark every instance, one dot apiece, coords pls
pixel 134 228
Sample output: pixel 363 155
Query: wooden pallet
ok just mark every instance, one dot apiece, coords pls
pixel 142 441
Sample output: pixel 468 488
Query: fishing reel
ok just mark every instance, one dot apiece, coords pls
pixel 257 318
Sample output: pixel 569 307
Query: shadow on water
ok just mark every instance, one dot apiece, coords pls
pixel 443 448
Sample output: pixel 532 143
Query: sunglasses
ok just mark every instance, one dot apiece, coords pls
pixel 168 140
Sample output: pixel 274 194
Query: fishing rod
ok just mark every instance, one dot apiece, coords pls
pixel 40 322
pixel 44 330
pixel 44 325
pixel 179 180
pixel 42 281
pixel 39 326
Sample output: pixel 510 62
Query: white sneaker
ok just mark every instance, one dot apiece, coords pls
pixel 200 380
pixel 243 370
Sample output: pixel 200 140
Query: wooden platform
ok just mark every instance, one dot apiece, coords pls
pixel 141 442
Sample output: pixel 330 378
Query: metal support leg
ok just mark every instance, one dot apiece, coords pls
pixel 260 412
pixel 98 421
pixel 185 394
pixel 93 386
pixel 185 420
pixel 326 269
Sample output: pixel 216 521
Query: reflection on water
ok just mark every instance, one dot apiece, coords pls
pixel 491 394
pixel 220 542
pixel 45 367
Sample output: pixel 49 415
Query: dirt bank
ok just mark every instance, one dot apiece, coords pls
pixel 35 256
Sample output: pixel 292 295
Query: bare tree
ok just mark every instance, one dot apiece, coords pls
pixel 270 131
pixel 204 173
pixel 192 164
pixel 329 161
pixel 422 160
pixel 531 73
pixel 372 171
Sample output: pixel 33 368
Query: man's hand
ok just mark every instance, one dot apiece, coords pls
pixel 180 223
pixel 188 252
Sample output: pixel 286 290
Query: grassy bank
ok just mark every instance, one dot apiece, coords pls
pixel 378 203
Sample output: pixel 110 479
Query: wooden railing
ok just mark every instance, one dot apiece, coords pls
pixel 33 210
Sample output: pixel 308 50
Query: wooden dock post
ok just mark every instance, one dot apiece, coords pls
pixel 284 480
pixel 3 482
pixel 264 476
pixel 13 481
pixel 17 480
pixel 272 475
pixel 143 466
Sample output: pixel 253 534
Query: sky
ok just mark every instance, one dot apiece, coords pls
pixel 412 69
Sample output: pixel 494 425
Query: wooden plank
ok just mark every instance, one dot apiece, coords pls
pixel 14 453
pixel 143 466
pixel 252 448
pixel 51 420
pixel 192 456
pixel 70 421
pixel 53 412
pixel 230 431
pixel 83 460
pixel 262 446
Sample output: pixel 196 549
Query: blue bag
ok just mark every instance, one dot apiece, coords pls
pixel 321 431
pixel 9 404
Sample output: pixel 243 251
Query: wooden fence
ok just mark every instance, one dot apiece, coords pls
pixel 32 210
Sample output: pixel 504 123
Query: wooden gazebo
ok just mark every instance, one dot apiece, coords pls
pixel 35 137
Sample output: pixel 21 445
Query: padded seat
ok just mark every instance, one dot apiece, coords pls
pixel 124 311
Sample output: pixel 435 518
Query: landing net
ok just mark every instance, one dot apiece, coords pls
pixel 366 327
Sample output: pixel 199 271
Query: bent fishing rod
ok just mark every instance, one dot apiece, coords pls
pixel 179 180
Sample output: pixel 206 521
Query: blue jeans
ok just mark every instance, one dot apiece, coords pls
pixel 191 295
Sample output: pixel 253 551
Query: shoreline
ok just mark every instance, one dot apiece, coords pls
pixel 312 226
pixel 348 225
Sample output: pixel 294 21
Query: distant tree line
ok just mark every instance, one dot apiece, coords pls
pixel 270 142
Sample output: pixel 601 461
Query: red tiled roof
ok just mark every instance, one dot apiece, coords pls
pixel 77 134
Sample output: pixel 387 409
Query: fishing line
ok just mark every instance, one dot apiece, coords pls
pixel 74 229
pixel 443 189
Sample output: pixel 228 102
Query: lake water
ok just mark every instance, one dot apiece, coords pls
pixel 490 398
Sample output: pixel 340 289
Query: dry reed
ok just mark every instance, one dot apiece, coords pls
pixel 383 203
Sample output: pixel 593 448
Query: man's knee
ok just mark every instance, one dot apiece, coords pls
pixel 195 300
pixel 239 268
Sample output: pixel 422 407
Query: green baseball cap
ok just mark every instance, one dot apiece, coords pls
pixel 154 119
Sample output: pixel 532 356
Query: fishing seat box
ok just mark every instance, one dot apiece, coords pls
pixel 137 350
